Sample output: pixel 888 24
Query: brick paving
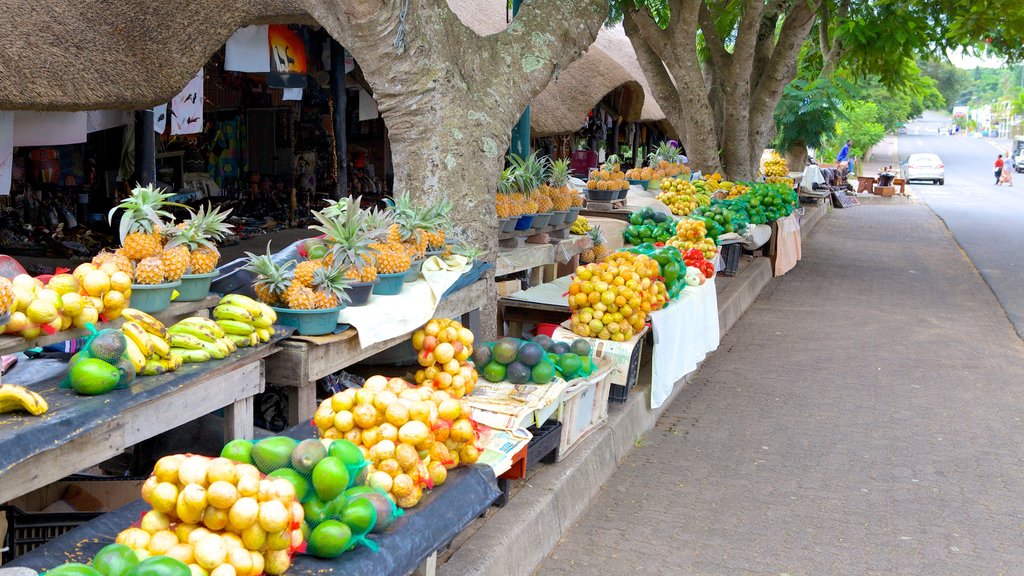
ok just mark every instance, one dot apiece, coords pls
pixel 863 417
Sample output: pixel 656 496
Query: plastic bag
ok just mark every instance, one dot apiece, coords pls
pixel 107 345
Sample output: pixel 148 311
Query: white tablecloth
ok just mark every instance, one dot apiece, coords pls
pixel 684 333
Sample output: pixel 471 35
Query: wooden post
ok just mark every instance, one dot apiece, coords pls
pixel 614 147
pixel 145 148
pixel 340 107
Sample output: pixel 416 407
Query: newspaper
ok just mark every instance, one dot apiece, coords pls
pixel 507 406
pixel 500 446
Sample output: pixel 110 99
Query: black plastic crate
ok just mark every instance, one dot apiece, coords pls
pixel 731 258
pixel 617 393
pixel 27 531
pixel 544 445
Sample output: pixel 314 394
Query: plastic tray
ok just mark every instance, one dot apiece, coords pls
pixel 195 287
pixel 389 284
pixel 414 271
pixel 152 298
pixel 309 322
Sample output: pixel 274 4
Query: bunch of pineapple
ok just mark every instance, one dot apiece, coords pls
pixel 506 206
pixel 349 242
pixel 414 225
pixel 437 216
pixel 311 285
pixel 392 256
pixel 155 249
pixel 665 157
pixel 598 250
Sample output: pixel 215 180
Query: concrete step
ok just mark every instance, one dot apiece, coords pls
pixel 519 536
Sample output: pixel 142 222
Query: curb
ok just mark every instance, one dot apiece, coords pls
pixel 519 536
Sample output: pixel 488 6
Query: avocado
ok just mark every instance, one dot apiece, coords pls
pixel 272 453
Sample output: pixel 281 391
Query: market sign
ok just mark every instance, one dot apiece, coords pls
pixel 287 58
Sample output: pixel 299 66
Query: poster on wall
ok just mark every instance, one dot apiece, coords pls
pixel 287 58
pixel 246 50
pixel 187 108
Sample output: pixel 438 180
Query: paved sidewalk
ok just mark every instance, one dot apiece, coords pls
pixel 863 417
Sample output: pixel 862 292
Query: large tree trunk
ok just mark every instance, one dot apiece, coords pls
pixel 724 107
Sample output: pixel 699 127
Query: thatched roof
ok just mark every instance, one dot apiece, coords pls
pixel 133 54
pixel 102 54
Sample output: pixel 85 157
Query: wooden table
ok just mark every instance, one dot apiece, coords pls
pixel 81 431
pixel 518 312
pixel 12 344
pixel 540 259
pixel 300 363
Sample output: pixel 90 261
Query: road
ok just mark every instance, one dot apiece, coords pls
pixel 986 220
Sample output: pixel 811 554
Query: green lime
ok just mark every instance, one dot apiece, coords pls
pixel 115 560
pixel 360 515
pixel 570 364
pixel 92 376
pixel 329 539
pixel 542 373
pixel 315 510
pixel 494 371
pixel 238 450
pixel 347 452
pixel 73 569
pixel 330 478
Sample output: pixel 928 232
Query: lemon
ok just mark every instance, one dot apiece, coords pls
pixel 273 516
pixel 161 542
pixel 210 551
pixel 244 513
pixel 164 497
pixel 254 537
pixel 154 522
pixel 222 494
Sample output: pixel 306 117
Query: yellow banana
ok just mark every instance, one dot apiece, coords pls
pixel 146 321
pixel 200 331
pixel 160 346
pixel 216 349
pixel 230 344
pixel 154 368
pixel 139 335
pixel 263 333
pixel 187 341
pixel 190 356
pixel 14 398
pixel 240 341
pixel 268 312
pixel 242 301
pixel 207 322
pixel 136 356
pixel 254 339
pixel 236 327
pixel 230 312
pixel 262 322
pixel 171 362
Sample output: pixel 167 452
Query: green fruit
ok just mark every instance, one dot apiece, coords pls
pixel 481 355
pixel 92 376
pixel 358 491
pixel 360 516
pixel 127 370
pixel 544 340
pixel 494 371
pixel 505 350
pixel 307 454
pixel 107 345
pixel 569 364
pixel 542 373
pixel 115 560
pixel 238 450
pixel 329 539
pixel 160 566
pixel 580 347
pixel 335 507
pixel 315 510
pixel 347 452
pixel 530 354
pixel 73 569
pixel 330 478
pixel 517 373
pixel 297 480
pixel 272 453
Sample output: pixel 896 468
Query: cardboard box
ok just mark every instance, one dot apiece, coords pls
pixel 885 190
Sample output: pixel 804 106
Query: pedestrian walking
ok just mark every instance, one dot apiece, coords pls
pixel 1008 166
pixel 999 168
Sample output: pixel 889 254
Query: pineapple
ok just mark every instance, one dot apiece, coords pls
pixel 149 271
pixel 142 220
pixel 506 187
pixel 121 261
pixel 305 270
pixel 6 295
pixel 329 286
pixel 560 193
pixel 392 258
pixel 199 235
pixel 350 242
pixel 411 224
pixel 599 251
pixel 299 297
pixel 272 280
pixel 175 262
pixel 437 217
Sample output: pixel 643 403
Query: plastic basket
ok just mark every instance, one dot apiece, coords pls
pixel 602 195
pixel 152 298
pixel 389 284
pixel 508 224
pixel 414 271
pixel 525 222
pixel 623 194
pixel 558 217
pixel 195 287
pixel 359 293
pixel 309 322
pixel 541 220
pixel 584 409
pixel 641 183
pixel 28 531
pixel 574 213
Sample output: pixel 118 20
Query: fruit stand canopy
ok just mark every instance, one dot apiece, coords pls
pixel 127 54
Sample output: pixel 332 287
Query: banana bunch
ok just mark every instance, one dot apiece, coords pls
pixel 580 226
pixel 245 321
pixel 14 398
pixel 195 340
pixel 146 344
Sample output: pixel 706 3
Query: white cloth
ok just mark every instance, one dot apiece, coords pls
pixel 50 128
pixel 159 118
pixel 385 317
pixel 788 247
pixel 97 120
pixel 291 94
pixel 684 333
pixel 248 50
pixel 812 176
pixel 187 107
pixel 6 151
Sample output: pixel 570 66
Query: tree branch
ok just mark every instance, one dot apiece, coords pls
pixel 747 38
pixel 663 86
pixel 824 44
pixel 716 46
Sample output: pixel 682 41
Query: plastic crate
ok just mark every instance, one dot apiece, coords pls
pixel 731 258
pixel 27 531
pixel 618 393
pixel 545 444
pixel 584 408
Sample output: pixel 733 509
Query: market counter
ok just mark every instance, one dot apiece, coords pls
pixel 415 537
pixel 81 431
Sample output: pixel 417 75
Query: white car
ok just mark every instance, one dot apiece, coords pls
pixel 925 166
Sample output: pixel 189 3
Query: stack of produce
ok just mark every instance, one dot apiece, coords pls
pixel 506 205
pixel 670 264
pixel 681 196
pixel 609 177
pixel 692 233
pixel 348 241
pixel 192 244
pixel 610 300
pixel 768 202
pixel 411 435
pixel 526 176
pixel 648 225
pixel 392 255
pixel 731 217
pixel 598 250
pixel 562 196
pixel 312 285
pixel 775 166
pixel 735 190
pixel 515 361
pixel 219 516
pixel 443 348
pixel 665 159
pixel 147 344
pixel 580 226
pixel 644 173
pixel 66 300
pixel 695 260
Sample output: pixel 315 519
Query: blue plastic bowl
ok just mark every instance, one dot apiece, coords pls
pixel 309 322
pixel 389 284
pixel 525 222
pixel 152 298
pixel 359 293
pixel 414 271
pixel 195 287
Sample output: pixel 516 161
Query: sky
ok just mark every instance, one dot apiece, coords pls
pixel 969 62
